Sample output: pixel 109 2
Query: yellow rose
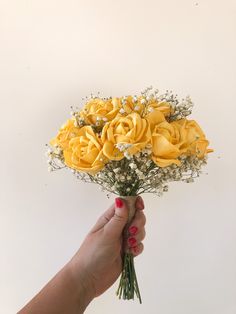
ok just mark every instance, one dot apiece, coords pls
pixel 181 137
pixel 161 106
pixel 65 134
pixel 155 118
pixel 130 129
pixel 136 104
pixel 130 105
pixel 192 140
pixel 164 150
pixel 99 111
pixel 85 152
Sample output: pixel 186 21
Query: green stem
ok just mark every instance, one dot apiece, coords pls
pixel 128 286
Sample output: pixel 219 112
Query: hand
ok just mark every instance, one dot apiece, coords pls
pixel 96 265
pixel 99 258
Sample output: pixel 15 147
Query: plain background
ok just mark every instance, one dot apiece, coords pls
pixel 52 54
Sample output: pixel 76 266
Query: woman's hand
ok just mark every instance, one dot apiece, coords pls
pixel 96 265
pixel 100 255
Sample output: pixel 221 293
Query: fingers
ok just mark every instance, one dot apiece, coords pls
pixel 109 213
pixel 116 224
pixel 134 240
pixel 137 230
pixel 139 204
pixel 136 250
pixel 115 218
pixel 140 236
pixel 134 244
pixel 104 218
pixel 138 222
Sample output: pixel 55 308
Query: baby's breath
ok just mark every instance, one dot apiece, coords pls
pixel 135 174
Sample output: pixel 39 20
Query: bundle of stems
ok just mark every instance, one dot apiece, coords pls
pixel 128 286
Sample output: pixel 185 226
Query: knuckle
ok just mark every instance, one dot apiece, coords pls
pixel 118 217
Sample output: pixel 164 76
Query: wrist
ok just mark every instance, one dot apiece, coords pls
pixel 84 289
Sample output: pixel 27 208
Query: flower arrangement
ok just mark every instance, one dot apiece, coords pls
pixel 131 145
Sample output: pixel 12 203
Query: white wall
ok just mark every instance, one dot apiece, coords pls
pixel 54 52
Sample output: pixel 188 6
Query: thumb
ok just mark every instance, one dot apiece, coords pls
pixel 116 224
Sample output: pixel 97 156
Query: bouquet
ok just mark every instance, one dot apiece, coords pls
pixel 131 145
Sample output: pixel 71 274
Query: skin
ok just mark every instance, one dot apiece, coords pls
pixel 86 275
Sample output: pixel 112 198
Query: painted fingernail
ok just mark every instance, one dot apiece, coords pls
pixel 133 230
pixel 135 249
pixel 119 202
pixel 132 241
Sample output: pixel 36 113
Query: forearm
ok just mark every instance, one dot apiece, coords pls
pixel 64 293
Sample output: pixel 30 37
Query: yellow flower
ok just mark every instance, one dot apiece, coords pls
pixel 181 137
pixel 65 134
pixel 143 107
pixel 85 152
pixel 164 150
pixel 99 110
pixel 130 105
pixel 161 106
pixel 155 118
pixel 130 129
pixel 192 140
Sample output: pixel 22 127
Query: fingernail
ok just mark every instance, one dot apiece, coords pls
pixel 133 230
pixel 135 249
pixel 119 202
pixel 132 241
pixel 140 203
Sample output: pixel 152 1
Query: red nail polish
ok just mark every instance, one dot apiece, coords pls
pixel 133 230
pixel 135 249
pixel 132 241
pixel 119 202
